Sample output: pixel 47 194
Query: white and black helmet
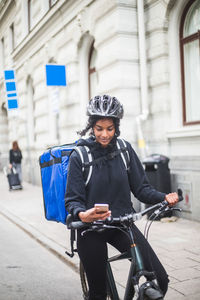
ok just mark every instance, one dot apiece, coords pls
pixel 105 106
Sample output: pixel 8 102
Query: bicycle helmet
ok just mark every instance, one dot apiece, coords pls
pixel 105 106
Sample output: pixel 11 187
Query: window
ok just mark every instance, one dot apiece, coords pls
pixel 30 14
pixel 2 54
pixel 30 111
pixel 190 62
pixel 54 110
pixel 12 37
pixel 85 55
pixel 92 72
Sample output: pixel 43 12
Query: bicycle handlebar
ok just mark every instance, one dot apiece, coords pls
pixel 121 220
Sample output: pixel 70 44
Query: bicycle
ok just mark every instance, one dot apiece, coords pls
pixel 148 289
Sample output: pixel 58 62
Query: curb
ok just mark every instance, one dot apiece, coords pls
pixel 43 240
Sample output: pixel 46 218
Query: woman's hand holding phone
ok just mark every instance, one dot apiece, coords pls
pixel 98 212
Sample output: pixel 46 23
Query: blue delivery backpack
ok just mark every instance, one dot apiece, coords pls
pixel 54 168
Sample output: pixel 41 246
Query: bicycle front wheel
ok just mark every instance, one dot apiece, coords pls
pixel 84 284
pixel 152 294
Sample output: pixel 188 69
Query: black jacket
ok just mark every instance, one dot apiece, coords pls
pixel 15 156
pixel 110 182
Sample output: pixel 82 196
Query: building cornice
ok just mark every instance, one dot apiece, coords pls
pixel 36 31
pixel 184 132
pixel 39 29
pixel 4 6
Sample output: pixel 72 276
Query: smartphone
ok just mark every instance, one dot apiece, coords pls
pixel 103 207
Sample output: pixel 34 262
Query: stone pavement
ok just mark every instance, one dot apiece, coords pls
pixel 176 243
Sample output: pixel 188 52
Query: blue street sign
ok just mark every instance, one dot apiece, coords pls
pixel 9 74
pixel 11 93
pixel 10 86
pixel 56 75
pixel 12 104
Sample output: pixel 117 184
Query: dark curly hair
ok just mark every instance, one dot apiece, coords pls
pixel 92 121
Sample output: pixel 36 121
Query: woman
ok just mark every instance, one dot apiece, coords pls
pixel 110 183
pixel 15 157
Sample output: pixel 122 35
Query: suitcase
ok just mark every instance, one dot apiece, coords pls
pixel 13 179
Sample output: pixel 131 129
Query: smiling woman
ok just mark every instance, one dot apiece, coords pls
pixel 110 185
pixel 104 131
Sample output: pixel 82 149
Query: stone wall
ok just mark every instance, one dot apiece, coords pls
pixel 64 35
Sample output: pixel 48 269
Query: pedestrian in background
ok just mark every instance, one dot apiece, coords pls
pixel 15 157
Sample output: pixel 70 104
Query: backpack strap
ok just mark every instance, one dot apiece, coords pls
pixel 86 159
pixel 89 154
pixel 78 150
pixel 122 146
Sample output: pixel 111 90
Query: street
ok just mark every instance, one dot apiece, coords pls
pixel 29 271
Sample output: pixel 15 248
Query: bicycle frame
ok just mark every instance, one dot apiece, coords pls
pixel 110 276
pixel 136 269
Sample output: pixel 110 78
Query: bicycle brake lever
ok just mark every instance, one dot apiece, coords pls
pixel 158 211
pixel 85 231
pixel 136 217
pixel 176 209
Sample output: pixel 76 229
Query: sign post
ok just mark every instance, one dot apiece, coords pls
pixel 55 77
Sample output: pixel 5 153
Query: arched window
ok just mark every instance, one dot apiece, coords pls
pixel 12 37
pixel 2 56
pixel 190 62
pixel 30 112
pixel 85 63
pixel 30 15
pixel 92 71
pixel 54 110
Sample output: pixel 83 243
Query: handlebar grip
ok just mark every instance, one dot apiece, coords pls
pixel 73 224
pixel 180 195
pixel 76 225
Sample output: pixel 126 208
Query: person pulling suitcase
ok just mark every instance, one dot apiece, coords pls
pixel 15 158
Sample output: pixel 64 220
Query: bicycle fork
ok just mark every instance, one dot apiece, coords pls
pixel 136 272
pixel 136 265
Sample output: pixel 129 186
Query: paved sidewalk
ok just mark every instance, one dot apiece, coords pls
pixel 176 243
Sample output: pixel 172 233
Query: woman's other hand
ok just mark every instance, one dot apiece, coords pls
pixel 172 198
pixel 93 214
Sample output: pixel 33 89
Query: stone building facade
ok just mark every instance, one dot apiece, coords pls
pixel 138 50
